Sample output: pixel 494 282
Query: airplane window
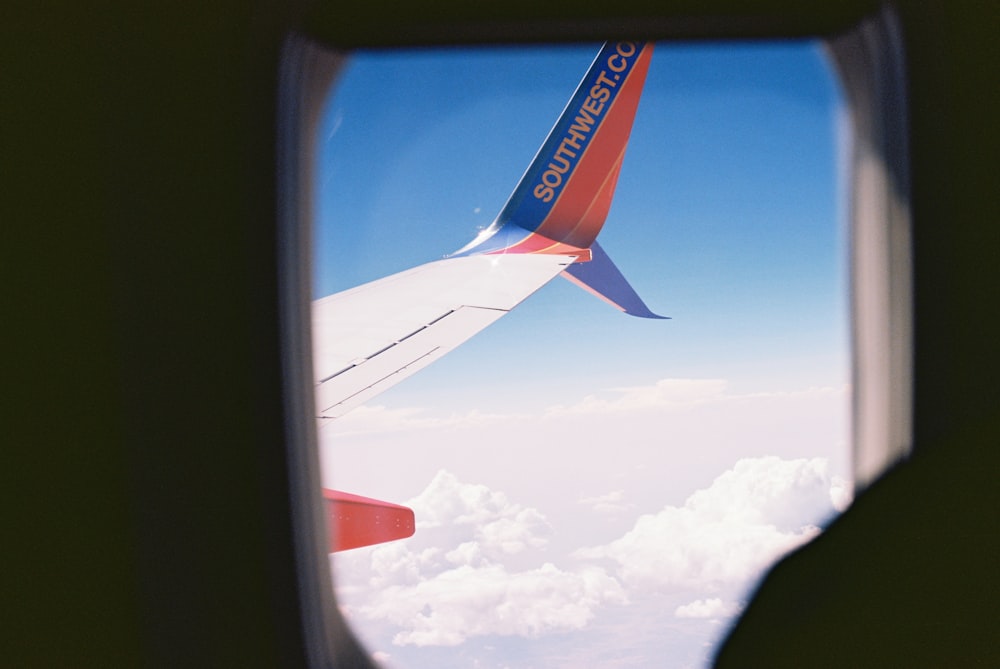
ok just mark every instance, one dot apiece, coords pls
pixel 591 486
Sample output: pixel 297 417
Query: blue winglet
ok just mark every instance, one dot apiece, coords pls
pixel 600 277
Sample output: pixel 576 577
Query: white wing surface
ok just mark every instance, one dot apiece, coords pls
pixel 371 337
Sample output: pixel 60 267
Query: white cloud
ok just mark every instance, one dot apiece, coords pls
pixel 396 563
pixel 677 394
pixel 378 419
pixel 477 568
pixel 669 395
pixel 788 494
pixel 708 608
pixel 495 523
pixel 612 502
pixel 574 476
pixel 841 494
pixel 651 441
pixel 726 534
pixel 467 601
pixel 453 580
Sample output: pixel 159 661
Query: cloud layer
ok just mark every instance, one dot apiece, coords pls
pixel 479 564
pixel 456 578
pixel 638 517
pixel 726 534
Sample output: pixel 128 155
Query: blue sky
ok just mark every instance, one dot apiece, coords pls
pixel 726 218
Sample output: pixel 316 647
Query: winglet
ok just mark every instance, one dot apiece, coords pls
pixel 562 201
pixel 602 278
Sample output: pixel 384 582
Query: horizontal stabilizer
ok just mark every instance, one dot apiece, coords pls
pixel 356 521
pixel 601 277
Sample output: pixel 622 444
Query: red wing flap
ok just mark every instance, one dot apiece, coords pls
pixel 356 521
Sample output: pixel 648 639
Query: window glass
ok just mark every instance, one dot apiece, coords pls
pixel 593 489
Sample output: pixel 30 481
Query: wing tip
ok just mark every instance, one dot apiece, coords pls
pixel 601 278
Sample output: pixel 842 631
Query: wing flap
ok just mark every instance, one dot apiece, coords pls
pixel 367 378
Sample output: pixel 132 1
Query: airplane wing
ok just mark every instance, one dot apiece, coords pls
pixel 368 338
pixel 377 334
